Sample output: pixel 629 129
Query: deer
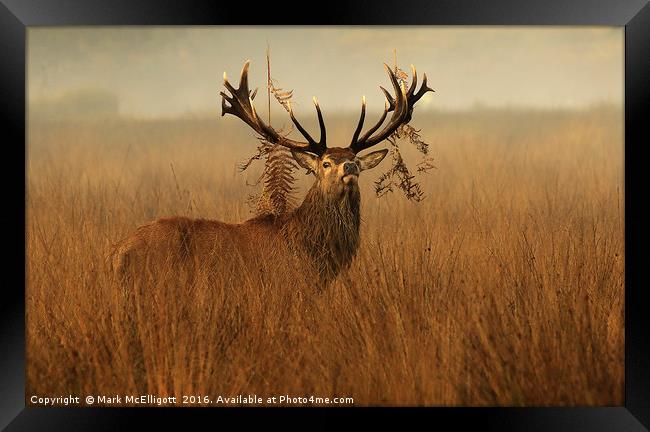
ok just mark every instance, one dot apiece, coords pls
pixel 321 235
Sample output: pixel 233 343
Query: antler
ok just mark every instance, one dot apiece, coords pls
pixel 401 106
pixel 241 105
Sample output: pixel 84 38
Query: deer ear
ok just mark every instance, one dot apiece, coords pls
pixel 371 160
pixel 306 160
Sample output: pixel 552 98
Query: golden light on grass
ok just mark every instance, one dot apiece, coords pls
pixel 504 286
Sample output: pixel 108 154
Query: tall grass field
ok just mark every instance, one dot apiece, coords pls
pixel 504 286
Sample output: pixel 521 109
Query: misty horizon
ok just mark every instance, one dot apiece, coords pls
pixel 153 72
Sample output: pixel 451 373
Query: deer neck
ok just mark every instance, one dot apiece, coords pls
pixel 328 228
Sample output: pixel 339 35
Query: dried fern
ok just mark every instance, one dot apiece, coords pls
pixel 402 77
pixel 282 96
pixel 399 176
pixel 261 151
pixel 278 195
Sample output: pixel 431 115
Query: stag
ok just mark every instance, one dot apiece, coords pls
pixel 322 234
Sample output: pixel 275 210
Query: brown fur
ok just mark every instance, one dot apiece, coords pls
pixel 318 239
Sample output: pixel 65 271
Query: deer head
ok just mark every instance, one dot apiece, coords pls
pixel 336 169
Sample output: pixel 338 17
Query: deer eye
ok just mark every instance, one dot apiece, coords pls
pixel 326 165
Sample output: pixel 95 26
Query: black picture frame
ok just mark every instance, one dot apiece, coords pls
pixel 634 15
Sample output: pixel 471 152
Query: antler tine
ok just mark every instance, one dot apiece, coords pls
pixel 399 106
pixel 227 84
pixel 402 106
pixel 372 130
pixel 414 83
pixel 316 147
pixel 302 130
pixel 240 104
pixel 357 131
pixel 243 77
pixel 389 98
pixel 321 123
pixel 423 89
pixel 413 98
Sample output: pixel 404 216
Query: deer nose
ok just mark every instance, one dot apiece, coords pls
pixel 350 168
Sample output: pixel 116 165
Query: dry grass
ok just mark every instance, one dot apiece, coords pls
pixel 503 287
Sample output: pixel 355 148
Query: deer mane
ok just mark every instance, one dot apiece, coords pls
pixel 326 229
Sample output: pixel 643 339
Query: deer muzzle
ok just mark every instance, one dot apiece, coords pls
pixel 350 168
pixel 350 173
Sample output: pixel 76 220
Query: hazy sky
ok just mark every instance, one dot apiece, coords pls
pixel 166 71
